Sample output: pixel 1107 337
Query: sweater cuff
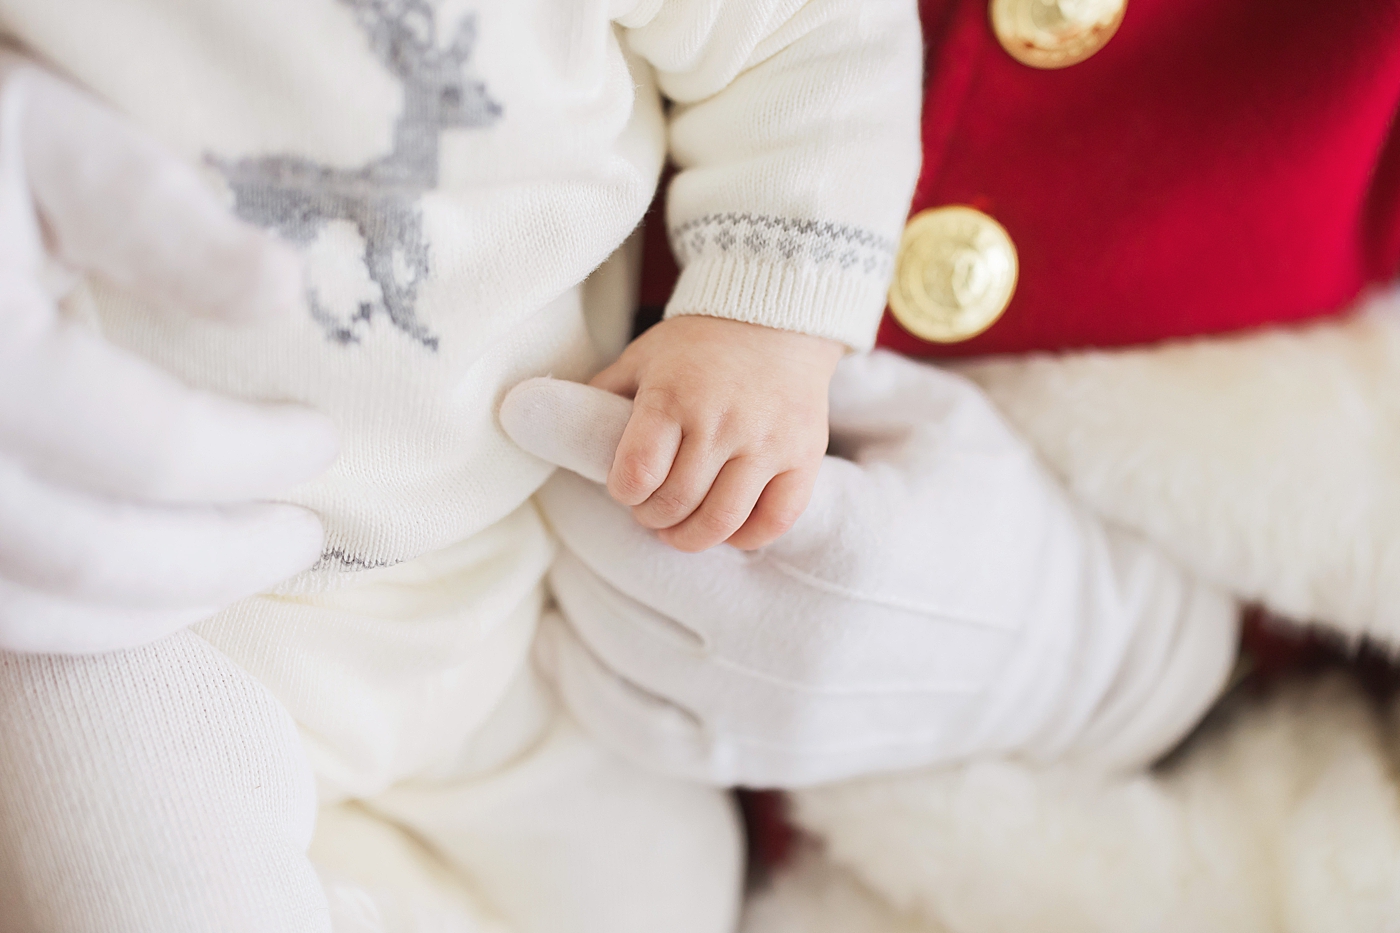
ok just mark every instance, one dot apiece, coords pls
pixel 828 282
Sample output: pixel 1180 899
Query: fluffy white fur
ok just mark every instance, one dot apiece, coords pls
pixel 819 897
pixel 1285 819
pixel 1270 464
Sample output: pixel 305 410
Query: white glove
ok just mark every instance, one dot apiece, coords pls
pixel 126 505
pixel 941 598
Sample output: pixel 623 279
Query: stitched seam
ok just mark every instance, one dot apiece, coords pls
pixel 964 689
pixel 837 589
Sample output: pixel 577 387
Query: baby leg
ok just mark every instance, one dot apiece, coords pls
pixel 157 790
pixel 456 796
pixel 555 834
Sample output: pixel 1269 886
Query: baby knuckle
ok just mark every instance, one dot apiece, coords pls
pixel 635 475
pixel 780 518
pixel 722 519
pixel 668 506
pixel 664 401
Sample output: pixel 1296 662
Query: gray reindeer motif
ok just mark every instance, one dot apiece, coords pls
pixel 297 197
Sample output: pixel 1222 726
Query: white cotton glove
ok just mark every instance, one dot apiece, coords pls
pixel 127 500
pixel 941 598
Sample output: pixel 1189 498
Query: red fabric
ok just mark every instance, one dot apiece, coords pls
pixel 771 835
pixel 1219 165
pixel 659 269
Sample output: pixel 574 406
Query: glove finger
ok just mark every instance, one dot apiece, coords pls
pixel 136 556
pixel 638 725
pixel 21 245
pixel 568 424
pixel 754 749
pixel 36 623
pixel 807 620
pixel 604 536
pixel 658 654
pixel 845 691
pixel 76 409
pixel 117 204
pixel 799 691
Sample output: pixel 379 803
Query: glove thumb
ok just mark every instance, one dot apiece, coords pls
pixel 569 424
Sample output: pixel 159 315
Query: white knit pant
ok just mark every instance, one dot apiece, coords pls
pixel 169 790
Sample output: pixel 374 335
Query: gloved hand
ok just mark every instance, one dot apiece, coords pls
pixel 128 501
pixel 941 598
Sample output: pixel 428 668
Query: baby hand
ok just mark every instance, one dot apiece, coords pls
pixel 728 427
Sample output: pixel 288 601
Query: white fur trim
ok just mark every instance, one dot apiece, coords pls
pixel 1286 819
pixel 816 896
pixel 1267 463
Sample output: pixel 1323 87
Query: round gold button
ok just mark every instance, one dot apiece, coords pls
pixel 1055 33
pixel 954 276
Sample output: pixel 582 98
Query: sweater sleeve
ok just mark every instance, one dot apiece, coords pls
pixel 795 126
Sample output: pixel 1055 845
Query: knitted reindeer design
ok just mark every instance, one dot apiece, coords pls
pixel 297 197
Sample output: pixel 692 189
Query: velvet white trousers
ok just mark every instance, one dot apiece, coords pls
pixel 380 759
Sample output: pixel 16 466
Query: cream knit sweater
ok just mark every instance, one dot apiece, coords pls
pixel 454 170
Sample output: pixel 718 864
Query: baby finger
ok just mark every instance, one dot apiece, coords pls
pixel 726 508
pixel 644 455
pixel 778 508
pixel 686 486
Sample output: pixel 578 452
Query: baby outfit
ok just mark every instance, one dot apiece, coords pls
pixel 451 172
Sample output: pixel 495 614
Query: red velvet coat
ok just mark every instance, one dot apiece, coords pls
pixel 1218 165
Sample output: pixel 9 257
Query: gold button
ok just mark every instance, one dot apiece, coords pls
pixel 1055 33
pixel 954 276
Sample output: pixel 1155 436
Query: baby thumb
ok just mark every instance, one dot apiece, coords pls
pixel 569 424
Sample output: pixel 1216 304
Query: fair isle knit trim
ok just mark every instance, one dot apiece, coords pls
pixel 780 239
